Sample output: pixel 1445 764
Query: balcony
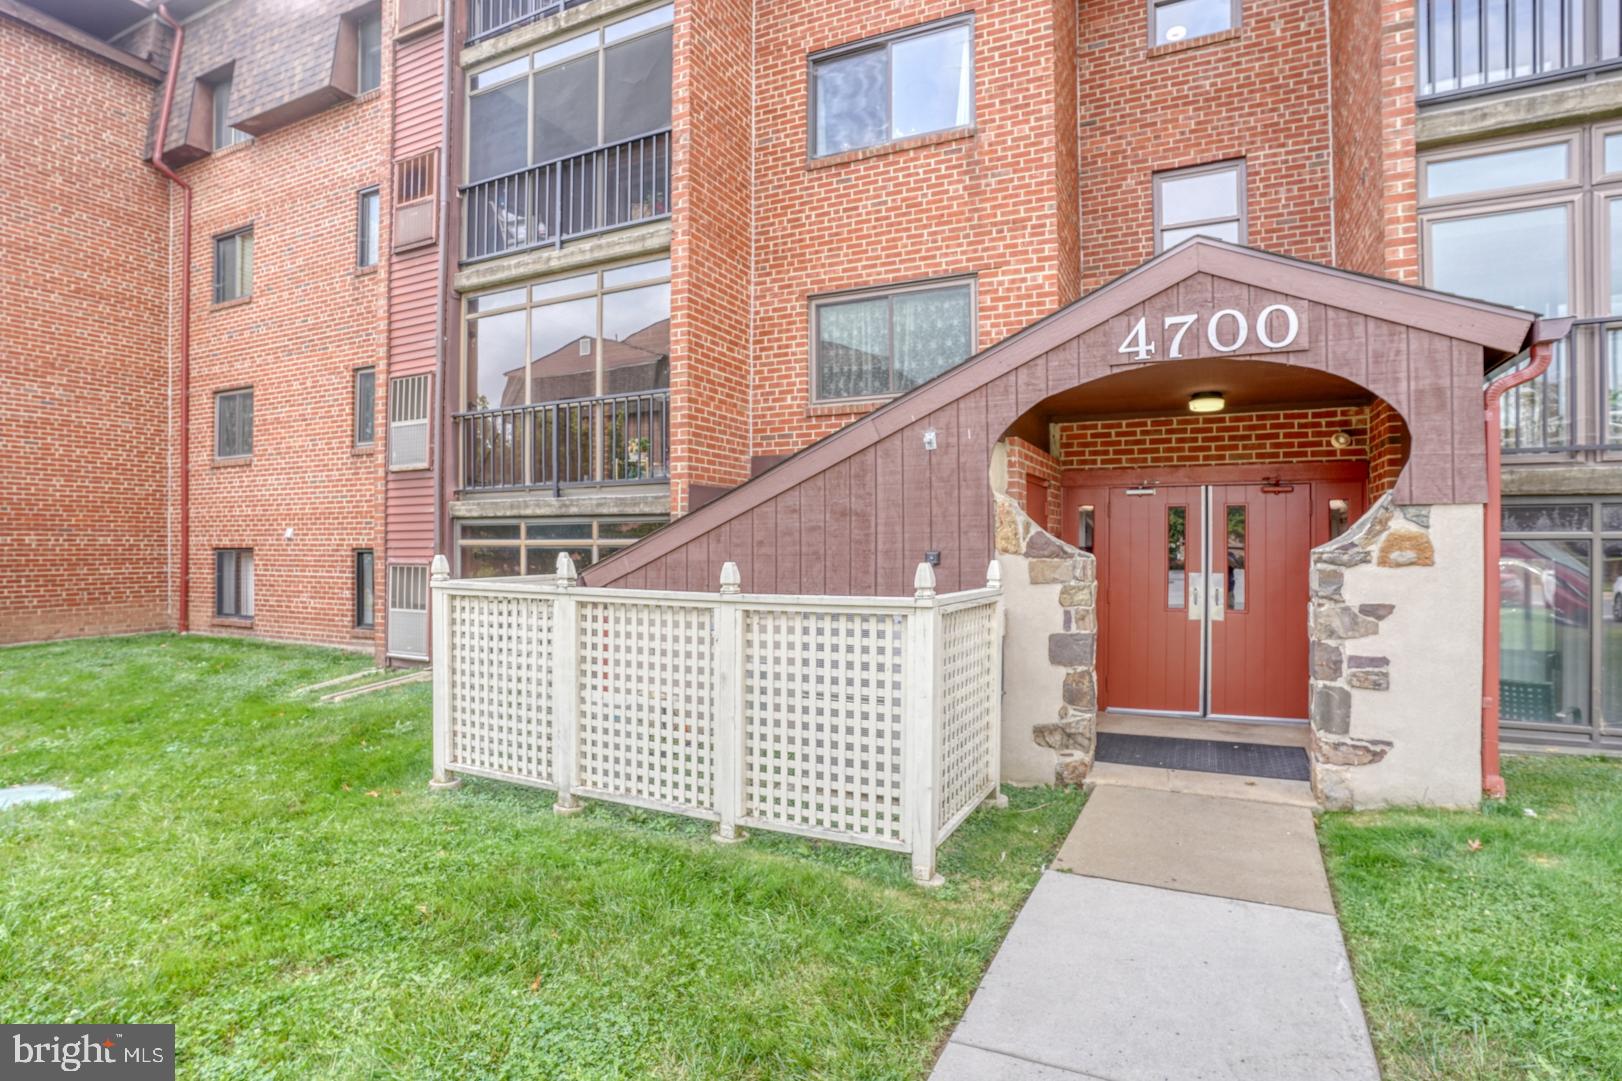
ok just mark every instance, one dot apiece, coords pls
pixel 1470 46
pixel 617 439
pixel 487 18
pixel 1574 410
pixel 607 188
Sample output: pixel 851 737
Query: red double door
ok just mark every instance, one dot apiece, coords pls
pixel 1204 593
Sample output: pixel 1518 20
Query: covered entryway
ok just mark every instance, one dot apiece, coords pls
pixel 1203 579
pixel 1221 573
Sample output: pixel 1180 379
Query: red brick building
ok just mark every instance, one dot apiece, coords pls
pixel 630 254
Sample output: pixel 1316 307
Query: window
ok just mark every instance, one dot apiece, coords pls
pixel 603 332
pixel 365 406
pixel 1184 20
pixel 603 87
pixel 233 583
pixel 408 422
pixel 233 266
pixel 877 91
pixel 224 134
pixel 1208 200
pixel 1560 614
pixel 369 49
pixel 233 423
pixel 873 344
pixel 366 221
pixel 505 549
pixel 365 601
pixel 1534 222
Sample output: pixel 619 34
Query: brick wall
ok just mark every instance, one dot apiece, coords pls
pixel 1026 460
pixel 83 527
pixel 312 319
pixel 986 204
pixel 1398 74
pixel 1359 208
pixel 1260 93
pixel 1298 435
pixel 1388 448
pixel 710 285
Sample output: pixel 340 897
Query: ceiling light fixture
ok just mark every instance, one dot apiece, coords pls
pixel 1207 401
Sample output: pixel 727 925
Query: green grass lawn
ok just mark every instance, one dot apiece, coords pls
pixel 1489 946
pixel 273 876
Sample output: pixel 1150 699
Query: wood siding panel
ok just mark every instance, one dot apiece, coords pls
pixel 419 95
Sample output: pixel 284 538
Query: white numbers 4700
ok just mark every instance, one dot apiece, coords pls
pixel 1227 331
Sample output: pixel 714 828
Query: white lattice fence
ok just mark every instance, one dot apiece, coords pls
pixel 822 718
pixel 970 693
pixel 500 669
pixel 647 703
pixel 871 720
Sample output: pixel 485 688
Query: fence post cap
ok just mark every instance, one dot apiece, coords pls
pixel 566 572
pixel 731 578
pixel 440 570
pixel 923 581
pixel 994 575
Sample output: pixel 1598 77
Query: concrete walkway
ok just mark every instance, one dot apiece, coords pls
pixel 1178 936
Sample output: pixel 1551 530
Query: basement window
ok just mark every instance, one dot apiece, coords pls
pixel 233 583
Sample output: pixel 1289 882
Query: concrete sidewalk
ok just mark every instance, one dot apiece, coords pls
pixel 1177 937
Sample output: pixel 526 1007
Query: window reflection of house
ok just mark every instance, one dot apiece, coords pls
pixel 639 362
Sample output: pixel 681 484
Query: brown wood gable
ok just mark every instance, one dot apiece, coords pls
pixel 855 512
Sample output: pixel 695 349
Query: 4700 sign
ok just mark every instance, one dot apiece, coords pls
pixel 1276 326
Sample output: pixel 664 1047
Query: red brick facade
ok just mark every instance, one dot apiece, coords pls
pixel 1260 93
pixel 313 318
pixel 1300 435
pixel 987 202
pixel 84 511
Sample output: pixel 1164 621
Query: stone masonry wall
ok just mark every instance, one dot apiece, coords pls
pixel 1390 704
pixel 1051 687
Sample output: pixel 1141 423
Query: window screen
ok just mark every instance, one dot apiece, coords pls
pixel 233 424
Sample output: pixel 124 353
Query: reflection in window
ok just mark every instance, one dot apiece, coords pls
pixel 1339 517
pixel 1544 630
pixel 1176 555
pixel 1185 20
pixel 1205 201
pixel 1611 629
pixel 1537 414
pixel 1085 534
pixel 1517 257
pixel 908 85
pixel 492 549
pixel 1547 517
pixel 1515 168
pixel 1236 559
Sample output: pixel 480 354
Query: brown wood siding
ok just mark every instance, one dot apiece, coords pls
pixel 857 512
pixel 414 295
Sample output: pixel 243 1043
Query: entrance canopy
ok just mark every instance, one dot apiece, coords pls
pixel 856 512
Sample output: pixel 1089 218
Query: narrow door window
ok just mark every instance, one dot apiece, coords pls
pixel 1236 558
pixel 1176 556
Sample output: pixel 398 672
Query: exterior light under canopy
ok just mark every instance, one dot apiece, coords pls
pixel 1207 401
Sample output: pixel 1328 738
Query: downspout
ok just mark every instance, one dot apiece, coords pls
pixel 182 621
pixel 1545 332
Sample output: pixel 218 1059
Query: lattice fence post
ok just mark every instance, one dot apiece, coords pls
pixel 440 603
pixel 921 767
pixel 999 631
pixel 729 691
pixel 566 688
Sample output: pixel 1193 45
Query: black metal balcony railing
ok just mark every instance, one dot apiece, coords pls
pixel 606 188
pixel 615 439
pixel 487 18
pixel 1468 45
pixel 1575 408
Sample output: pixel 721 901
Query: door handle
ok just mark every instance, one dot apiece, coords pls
pixel 1196 595
pixel 1214 595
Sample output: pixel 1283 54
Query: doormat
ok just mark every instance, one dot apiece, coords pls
pixel 1204 756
